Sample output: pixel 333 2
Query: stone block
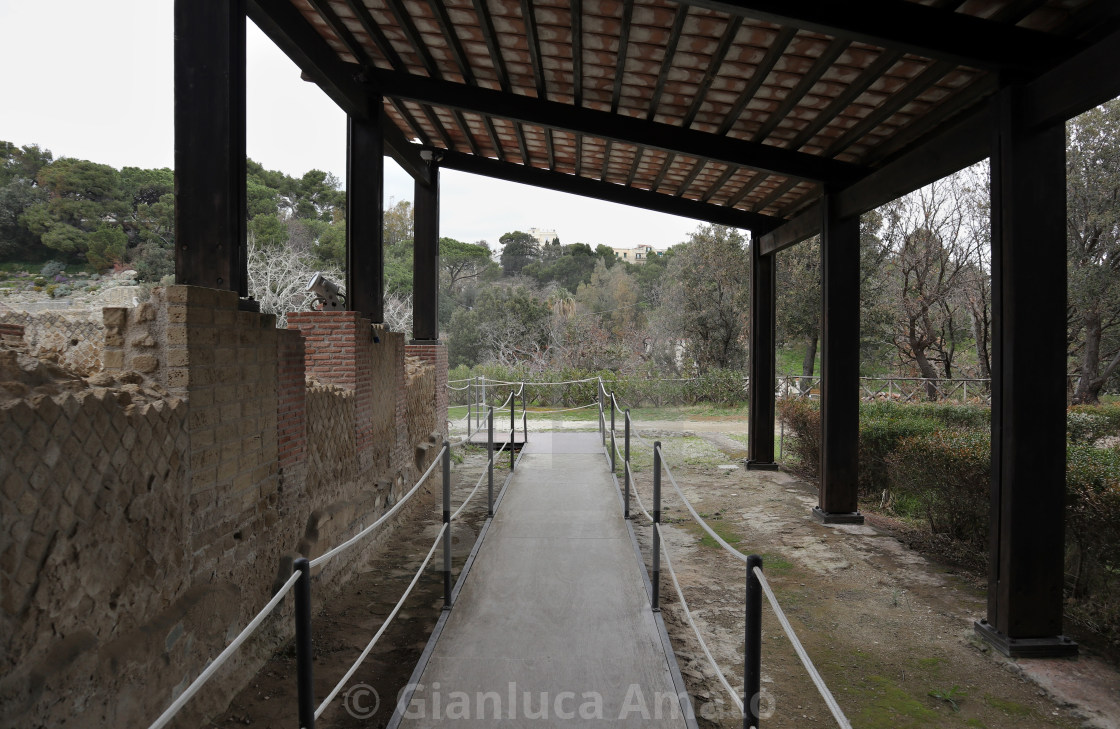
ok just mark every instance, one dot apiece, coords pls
pixel 112 360
pixel 145 363
pixel 115 317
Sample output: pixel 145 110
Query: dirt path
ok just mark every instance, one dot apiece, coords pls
pixel 890 632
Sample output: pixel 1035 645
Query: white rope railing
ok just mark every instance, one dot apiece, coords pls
pixel 837 712
pixel 688 615
pixel 210 670
pixel 380 631
pixel 484 474
pixel 396 507
pixel 536 411
pixel 829 700
pixel 637 496
pixel 739 555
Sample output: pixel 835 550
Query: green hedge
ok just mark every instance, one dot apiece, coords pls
pixel 645 388
pixel 934 463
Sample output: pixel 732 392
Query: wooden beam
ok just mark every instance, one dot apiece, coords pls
pixel 632 196
pixel 615 127
pixel 365 260
pixel 667 61
pixel 1027 547
pixel 760 403
pixel 425 260
pixel 712 70
pixel 210 195
pixel 620 58
pixel 288 29
pixel 839 461
pixel 1076 86
pixel 964 143
pixel 929 32
pixel 803 227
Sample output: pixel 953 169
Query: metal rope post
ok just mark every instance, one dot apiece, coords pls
pixel 752 656
pixel 626 468
pixel 447 522
pixel 512 425
pixel 614 464
pixel 490 462
pixel 470 410
pixel 656 520
pixel 305 685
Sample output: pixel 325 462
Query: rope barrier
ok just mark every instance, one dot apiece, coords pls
pixel 534 384
pixel 837 712
pixel 352 540
pixel 634 490
pixel 380 631
pixel 563 410
pixel 210 670
pixel 457 389
pixel 696 516
pixel 471 494
pixel 688 614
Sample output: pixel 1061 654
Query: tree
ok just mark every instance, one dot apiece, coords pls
pixel 507 326
pixel 932 235
pixel 460 262
pixel 397 223
pixel 518 251
pixel 706 297
pixel 19 190
pixel 571 268
pixel 1093 250
pixel 613 295
pixel 83 197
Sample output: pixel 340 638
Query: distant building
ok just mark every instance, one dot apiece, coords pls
pixel 637 254
pixel 544 237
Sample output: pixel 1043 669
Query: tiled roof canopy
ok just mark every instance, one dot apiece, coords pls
pixel 745 106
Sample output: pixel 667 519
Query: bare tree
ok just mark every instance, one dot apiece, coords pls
pixel 929 236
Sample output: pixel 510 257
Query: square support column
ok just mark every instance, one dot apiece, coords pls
pixel 210 193
pixel 425 260
pixel 760 430
pixel 839 469
pixel 1028 395
pixel 365 165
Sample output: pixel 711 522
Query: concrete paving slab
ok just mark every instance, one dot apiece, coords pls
pixel 552 627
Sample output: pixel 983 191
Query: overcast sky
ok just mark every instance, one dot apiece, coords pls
pixel 93 80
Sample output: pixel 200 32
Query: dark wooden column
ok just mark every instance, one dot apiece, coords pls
pixel 425 260
pixel 210 144
pixel 1028 394
pixel 760 425
pixel 365 259
pixel 839 466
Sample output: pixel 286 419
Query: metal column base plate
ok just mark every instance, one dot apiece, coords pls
pixel 851 517
pixel 1057 647
pixel 761 466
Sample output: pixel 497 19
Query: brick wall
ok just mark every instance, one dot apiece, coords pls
pixel 291 420
pixel 436 356
pixel 11 335
pixel 137 539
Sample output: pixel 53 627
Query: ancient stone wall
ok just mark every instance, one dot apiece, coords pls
pixel 72 339
pixel 150 510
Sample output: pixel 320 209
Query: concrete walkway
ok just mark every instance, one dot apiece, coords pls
pixel 553 625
